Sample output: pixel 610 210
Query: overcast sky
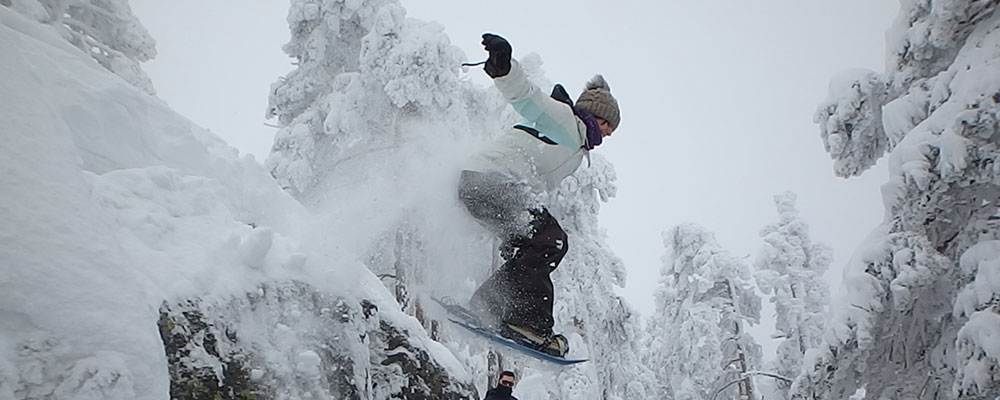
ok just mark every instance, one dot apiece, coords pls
pixel 717 100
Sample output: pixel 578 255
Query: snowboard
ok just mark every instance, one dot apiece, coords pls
pixel 464 318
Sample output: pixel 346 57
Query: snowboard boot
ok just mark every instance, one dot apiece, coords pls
pixel 552 344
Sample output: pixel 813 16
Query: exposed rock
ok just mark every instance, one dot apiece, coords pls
pixel 292 341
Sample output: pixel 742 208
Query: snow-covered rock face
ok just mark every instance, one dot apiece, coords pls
pixel 142 257
pixel 935 111
pixel 290 341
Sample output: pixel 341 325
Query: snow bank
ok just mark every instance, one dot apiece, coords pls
pixel 69 295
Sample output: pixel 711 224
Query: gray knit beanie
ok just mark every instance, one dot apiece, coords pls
pixel 597 100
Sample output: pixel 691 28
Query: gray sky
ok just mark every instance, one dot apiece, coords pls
pixel 717 100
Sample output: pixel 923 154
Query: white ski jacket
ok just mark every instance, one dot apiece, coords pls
pixel 543 161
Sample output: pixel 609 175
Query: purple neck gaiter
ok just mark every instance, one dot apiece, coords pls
pixel 594 135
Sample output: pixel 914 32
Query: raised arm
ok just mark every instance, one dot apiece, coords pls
pixel 553 119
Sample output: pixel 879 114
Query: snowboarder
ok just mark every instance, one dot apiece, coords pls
pixel 504 388
pixel 501 184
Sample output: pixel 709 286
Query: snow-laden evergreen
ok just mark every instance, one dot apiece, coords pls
pixel 377 120
pixel 105 29
pixel 919 316
pixel 698 344
pixel 790 268
pixel 367 80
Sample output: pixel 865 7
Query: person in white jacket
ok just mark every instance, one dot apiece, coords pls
pixel 499 188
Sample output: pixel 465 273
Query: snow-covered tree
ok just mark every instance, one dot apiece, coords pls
pixel 699 346
pixel 919 317
pixel 104 29
pixel 791 267
pixel 366 76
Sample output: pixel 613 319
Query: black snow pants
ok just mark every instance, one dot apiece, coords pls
pixel 519 292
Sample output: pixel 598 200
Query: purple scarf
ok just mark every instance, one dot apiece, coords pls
pixel 594 135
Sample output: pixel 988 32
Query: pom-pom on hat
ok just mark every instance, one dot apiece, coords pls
pixel 597 100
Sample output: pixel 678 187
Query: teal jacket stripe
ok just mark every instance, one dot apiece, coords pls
pixel 544 123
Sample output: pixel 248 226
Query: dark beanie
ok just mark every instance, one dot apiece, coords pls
pixel 597 100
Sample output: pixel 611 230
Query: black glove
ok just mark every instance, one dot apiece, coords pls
pixel 499 62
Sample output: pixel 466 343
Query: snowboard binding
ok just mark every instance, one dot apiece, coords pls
pixel 553 344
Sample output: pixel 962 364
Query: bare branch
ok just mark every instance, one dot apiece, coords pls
pixel 716 394
pixel 767 374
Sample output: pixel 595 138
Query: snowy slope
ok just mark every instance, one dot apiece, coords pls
pixel 118 211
